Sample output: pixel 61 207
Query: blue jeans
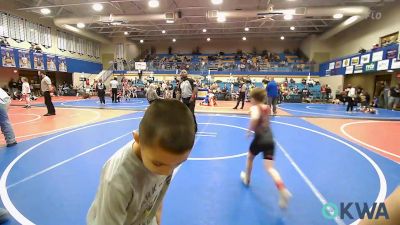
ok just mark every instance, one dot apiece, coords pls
pixel 5 125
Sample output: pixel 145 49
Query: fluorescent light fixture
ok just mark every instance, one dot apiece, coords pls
pixel 45 11
pixel 141 41
pixel 154 3
pixel 126 32
pixel 71 28
pixel 97 7
pixel 244 38
pixel 288 17
pixel 117 23
pixel 292 28
pixel 170 21
pixel 338 16
pixel 246 29
pixel 174 40
pixel 163 31
pixel 204 30
pixel 221 17
pixel 217 2
pixel 351 20
pixel 282 38
pixel 208 39
pixel 80 25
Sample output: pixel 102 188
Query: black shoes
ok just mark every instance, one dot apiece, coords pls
pixel 49 114
pixel 11 144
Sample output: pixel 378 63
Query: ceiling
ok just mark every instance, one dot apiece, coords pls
pixel 194 17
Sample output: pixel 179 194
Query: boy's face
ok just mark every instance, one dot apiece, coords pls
pixel 158 160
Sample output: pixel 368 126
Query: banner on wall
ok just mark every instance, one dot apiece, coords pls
pixel 51 63
pixel 62 64
pixel 383 65
pixel 358 69
pixel 395 64
pixel 377 56
pixel 370 67
pixel 355 61
pixel 327 72
pixel 332 65
pixel 338 64
pixel 391 54
pixel 346 62
pixel 349 69
pixel 365 58
pixel 140 66
pixel 8 57
pixel 24 59
pixel 38 63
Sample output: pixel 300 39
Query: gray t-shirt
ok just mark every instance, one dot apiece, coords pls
pixel 44 84
pixel 128 193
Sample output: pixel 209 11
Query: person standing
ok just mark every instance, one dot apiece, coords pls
pixel 101 91
pixel 188 93
pixel 26 92
pixel 114 89
pixel 272 93
pixel 242 93
pixel 5 124
pixel 350 98
pixel 394 98
pixel 46 88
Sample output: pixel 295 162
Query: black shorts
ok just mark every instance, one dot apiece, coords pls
pixel 263 142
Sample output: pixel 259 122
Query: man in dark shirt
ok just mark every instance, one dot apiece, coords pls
pixel 394 98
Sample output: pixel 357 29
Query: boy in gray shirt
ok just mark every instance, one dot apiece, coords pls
pixel 134 180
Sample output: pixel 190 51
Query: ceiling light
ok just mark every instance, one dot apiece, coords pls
pixel 163 31
pixel 116 23
pixel 288 17
pixel 154 3
pixel 141 41
pixel 174 40
pixel 170 21
pixel 97 7
pixel 217 2
pixel 292 28
pixel 338 16
pixel 244 38
pixel 246 29
pixel 351 20
pixel 45 11
pixel 208 39
pixel 282 38
pixel 126 33
pixel 204 30
pixel 80 25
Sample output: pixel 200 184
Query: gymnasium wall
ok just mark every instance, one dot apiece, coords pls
pixel 334 82
pixel 107 51
pixel 227 46
pixel 362 35
pixel 366 33
pixel 11 6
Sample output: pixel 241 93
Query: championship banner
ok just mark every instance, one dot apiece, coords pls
pixel 349 69
pixel 24 59
pixel 358 69
pixel 140 66
pixel 38 61
pixel 8 57
pixel 365 58
pixel 377 56
pixel 338 64
pixel 51 63
pixel 370 67
pixel 332 65
pixel 346 62
pixel 355 61
pixel 62 64
pixel 395 64
pixel 383 65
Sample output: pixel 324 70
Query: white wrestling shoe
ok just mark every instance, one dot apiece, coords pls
pixel 244 178
pixel 284 197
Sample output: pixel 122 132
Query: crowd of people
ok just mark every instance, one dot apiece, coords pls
pixel 267 61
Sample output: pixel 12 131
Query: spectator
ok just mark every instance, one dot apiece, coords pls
pixel 5 124
pixel 242 93
pixel 394 98
pixel 151 94
pixel 272 93
pixel 188 92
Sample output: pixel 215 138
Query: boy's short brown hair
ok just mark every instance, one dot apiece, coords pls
pixel 258 94
pixel 169 124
